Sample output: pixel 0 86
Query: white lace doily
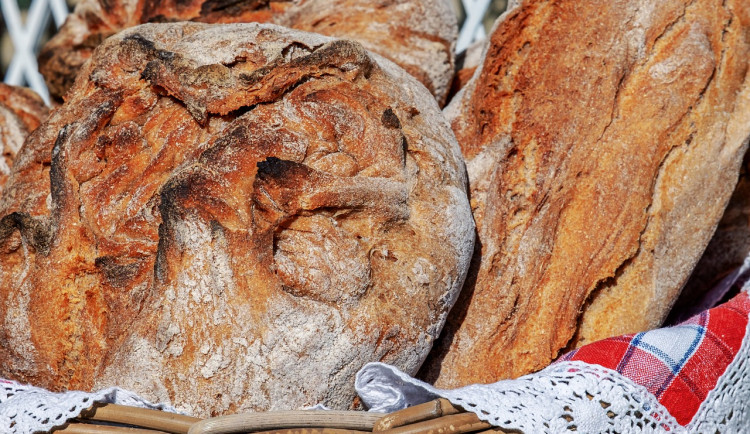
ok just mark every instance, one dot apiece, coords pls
pixel 26 409
pixel 726 408
pixel 568 396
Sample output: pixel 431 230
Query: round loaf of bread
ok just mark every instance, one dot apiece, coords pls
pixel 240 217
pixel 418 35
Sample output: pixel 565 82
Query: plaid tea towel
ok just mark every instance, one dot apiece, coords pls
pixel 678 365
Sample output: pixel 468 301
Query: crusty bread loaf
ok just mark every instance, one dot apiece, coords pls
pixel 21 112
pixel 603 140
pixel 235 229
pixel 418 35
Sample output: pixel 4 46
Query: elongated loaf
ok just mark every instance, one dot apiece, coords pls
pixel 419 35
pixel 234 229
pixel 603 140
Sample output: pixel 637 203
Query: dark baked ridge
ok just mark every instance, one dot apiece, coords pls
pixel 233 229
pixel 603 140
pixel 417 35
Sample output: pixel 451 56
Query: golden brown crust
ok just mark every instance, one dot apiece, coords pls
pixel 417 35
pixel 602 142
pixel 235 229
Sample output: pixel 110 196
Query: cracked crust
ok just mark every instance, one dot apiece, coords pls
pixel 603 140
pixel 236 229
pixel 419 36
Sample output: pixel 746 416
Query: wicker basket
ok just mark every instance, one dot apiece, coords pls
pixel 438 416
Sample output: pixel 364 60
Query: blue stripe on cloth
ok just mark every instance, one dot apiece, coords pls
pixel 701 329
pixel 629 353
pixel 673 365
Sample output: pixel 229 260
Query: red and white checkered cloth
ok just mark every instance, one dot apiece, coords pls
pixel 679 365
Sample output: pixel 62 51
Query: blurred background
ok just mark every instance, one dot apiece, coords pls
pixel 30 23
pixel 6 44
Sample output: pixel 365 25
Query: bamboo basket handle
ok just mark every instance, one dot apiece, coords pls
pixel 141 417
pixel 275 420
pixel 455 424
pixel 85 428
pixel 312 431
pixel 429 410
pixel 438 416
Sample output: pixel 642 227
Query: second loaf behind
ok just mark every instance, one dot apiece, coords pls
pixel 603 140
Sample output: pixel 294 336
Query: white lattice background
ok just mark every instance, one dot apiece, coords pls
pixel 25 27
pixel 25 35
